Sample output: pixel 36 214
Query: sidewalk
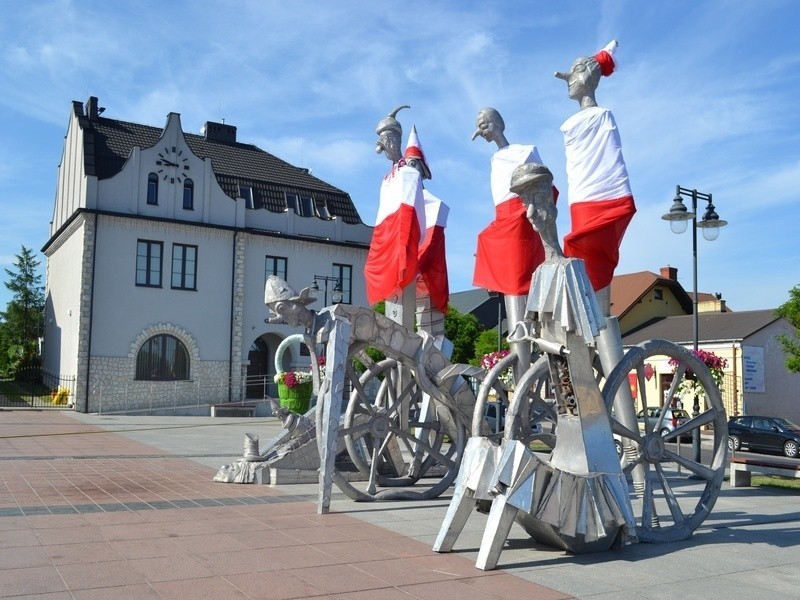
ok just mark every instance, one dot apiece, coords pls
pixel 119 506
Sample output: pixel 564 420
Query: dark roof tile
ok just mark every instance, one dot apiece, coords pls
pixel 713 327
pixel 109 144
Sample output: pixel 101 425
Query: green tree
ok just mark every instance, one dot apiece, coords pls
pixel 487 343
pixel 20 323
pixel 462 330
pixel 790 344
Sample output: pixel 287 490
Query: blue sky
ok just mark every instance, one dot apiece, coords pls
pixel 705 97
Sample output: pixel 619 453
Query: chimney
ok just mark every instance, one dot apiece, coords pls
pixel 220 132
pixel 670 273
pixel 91 108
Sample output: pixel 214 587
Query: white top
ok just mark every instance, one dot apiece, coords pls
pixel 595 166
pixel 504 161
pixel 436 211
pixel 402 186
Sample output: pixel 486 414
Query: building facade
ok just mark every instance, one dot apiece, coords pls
pixel 756 380
pixel 160 245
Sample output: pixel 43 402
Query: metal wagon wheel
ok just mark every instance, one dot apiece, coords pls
pixel 529 411
pixel 670 507
pixel 403 444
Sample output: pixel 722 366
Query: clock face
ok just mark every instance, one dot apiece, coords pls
pixel 174 166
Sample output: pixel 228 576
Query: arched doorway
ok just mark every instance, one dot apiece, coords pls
pixel 261 367
pixel 259 373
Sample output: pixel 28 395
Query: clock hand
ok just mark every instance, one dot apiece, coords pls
pixel 168 163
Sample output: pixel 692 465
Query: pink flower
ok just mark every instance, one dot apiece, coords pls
pixel 491 359
pixel 711 360
pixel 290 380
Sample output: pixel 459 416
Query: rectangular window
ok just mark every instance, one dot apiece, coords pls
pixel 275 265
pixel 306 206
pixel 188 195
pixel 344 273
pixel 148 263
pixel 246 192
pixel 184 267
pixel 322 209
pixel 152 189
pixel 302 206
pixel 293 203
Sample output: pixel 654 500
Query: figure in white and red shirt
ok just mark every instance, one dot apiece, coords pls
pixel 432 281
pixel 509 250
pixel 601 206
pixel 392 260
pixel 600 198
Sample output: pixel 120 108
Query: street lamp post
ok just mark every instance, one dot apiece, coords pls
pixel 679 218
pixel 337 294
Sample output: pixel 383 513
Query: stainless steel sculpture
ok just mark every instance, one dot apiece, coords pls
pixel 578 499
pixel 402 420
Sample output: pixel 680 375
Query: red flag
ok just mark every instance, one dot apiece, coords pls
pixel 432 257
pixel 509 250
pixel 392 260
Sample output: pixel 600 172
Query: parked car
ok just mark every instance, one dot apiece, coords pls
pixel 770 434
pixel 673 418
pixel 495 415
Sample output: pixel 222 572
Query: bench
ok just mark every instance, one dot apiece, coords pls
pixel 233 409
pixel 743 466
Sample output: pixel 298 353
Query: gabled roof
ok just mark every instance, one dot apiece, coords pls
pixel 108 144
pixel 478 302
pixel 712 327
pixel 467 301
pixel 627 290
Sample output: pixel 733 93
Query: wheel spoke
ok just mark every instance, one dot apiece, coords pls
pixel 669 496
pixel 372 485
pixel 631 465
pixel 696 468
pixel 623 431
pixel 441 458
pixel 648 507
pixel 393 408
pixel 360 426
pixel 703 418
pixel 360 393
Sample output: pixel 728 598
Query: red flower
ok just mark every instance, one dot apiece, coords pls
pixel 711 360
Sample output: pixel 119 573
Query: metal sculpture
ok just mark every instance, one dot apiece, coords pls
pixel 406 415
pixel 578 499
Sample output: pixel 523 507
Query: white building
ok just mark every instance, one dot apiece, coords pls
pixel 159 248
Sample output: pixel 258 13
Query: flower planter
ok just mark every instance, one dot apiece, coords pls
pixel 297 398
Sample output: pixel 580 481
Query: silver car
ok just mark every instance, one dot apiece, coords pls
pixel 673 418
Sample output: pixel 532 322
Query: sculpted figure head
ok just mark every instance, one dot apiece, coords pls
pixel 415 156
pixel 534 185
pixel 287 305
pixel 491 127
pixel 390 135
pixel 584 76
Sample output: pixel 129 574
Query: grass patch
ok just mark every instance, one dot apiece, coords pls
pixel 773 481
pixel 538 446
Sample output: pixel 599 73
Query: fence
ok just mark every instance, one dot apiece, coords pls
pixel 39 389
pixel 732 394
pixel 35 388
